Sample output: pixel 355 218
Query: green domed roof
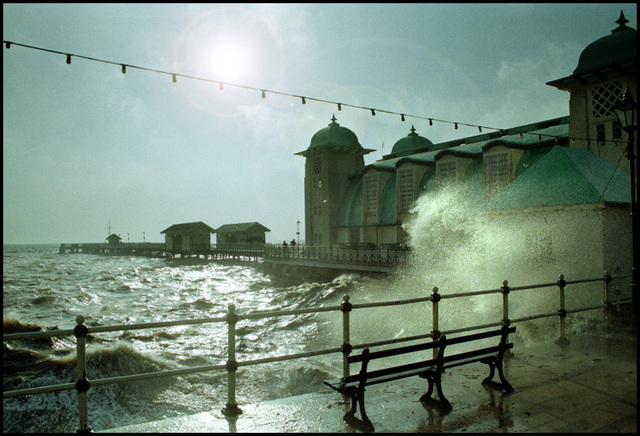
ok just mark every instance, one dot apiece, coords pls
pixel 410 144
pixel 335 136
pixel 621 46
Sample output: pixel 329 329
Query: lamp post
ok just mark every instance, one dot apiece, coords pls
pixel 298 232
pixel 627 113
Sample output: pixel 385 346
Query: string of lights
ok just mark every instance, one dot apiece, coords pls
pixel 303 99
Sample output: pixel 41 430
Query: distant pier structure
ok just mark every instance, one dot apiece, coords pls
pixel 249 252
pixel 299 262
pixel 246 242
pixel 119 249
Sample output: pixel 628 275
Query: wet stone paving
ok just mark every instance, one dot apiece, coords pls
pixel 588 386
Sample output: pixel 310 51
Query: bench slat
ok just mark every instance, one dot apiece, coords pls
pixel 394 351
pixel 476 336
pixel 468 354
pixel 396 369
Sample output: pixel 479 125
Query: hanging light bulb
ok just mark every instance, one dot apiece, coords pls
pixel 124 69
pixel 402 117
pixel 339 107
pixel 455 125
pixel 174 78
pixel 304 101
pixel 68 59
pixel 479 129
pixel 221 86
pixel 263 94
pixel 430 122
pixel 373 112
pixel 7 44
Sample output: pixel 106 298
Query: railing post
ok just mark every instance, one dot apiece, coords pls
pixel 562 340
pixel 82 383
pixel 435 298
pixel 505 310
pixel 231 409
pixel 505 302
pixel 607 300
pixel 346 346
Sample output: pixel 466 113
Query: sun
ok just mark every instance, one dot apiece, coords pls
pixel 228 61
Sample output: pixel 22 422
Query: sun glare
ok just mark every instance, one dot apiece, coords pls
pixel 228 62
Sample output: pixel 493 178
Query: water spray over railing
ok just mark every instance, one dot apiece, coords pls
pixel 82 384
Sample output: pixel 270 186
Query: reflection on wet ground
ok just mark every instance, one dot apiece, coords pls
pixel 587 386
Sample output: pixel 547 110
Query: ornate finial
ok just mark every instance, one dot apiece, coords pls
pixel 622 23
pixel 333 120
pixel 413 130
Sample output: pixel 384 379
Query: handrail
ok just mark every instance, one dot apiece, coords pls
pixel 369 255
pixel 80 331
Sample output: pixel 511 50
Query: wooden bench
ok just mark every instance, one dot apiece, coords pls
pixel 431 369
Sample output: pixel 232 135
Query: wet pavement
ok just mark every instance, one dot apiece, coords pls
pixel 588 386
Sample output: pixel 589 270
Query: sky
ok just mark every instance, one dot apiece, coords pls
pixel 88 149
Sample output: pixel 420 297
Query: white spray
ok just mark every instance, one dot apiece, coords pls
pixel 458 248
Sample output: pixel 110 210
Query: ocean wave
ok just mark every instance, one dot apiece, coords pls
pixel 119 290
pixel 117 404
pixel 45 299
pixel 12 325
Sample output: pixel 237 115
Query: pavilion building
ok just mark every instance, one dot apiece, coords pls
pixel 565 171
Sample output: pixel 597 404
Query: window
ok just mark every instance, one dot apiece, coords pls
pixel 405 188
pixel 446 172
pixel 371 195
pixel 497 171
pixel 604 97
pixel 316 165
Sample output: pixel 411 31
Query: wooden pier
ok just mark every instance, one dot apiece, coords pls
pixel 133 249
pixel 249 252
pixel 303 262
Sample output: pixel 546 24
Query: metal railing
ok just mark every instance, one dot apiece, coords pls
pixel 386 256
pixel 82 384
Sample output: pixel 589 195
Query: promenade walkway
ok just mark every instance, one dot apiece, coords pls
pixel 589 386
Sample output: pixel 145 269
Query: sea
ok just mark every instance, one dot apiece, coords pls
pixel 43 289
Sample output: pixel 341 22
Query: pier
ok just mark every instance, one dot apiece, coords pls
pixel 278 260
pixel 249 252
pixel 125 249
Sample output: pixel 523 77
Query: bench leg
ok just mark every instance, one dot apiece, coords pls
pixel 496 363
pixel 357 398
pixel 434 378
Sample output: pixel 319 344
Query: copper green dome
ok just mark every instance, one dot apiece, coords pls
pixel 410 144
pixel 335 136
pixel 619 47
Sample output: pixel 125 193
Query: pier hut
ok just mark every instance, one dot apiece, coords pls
pixel 194 237
pixel 241 233
pixel 113 239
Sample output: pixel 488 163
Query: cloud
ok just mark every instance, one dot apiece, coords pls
pixel 521 90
